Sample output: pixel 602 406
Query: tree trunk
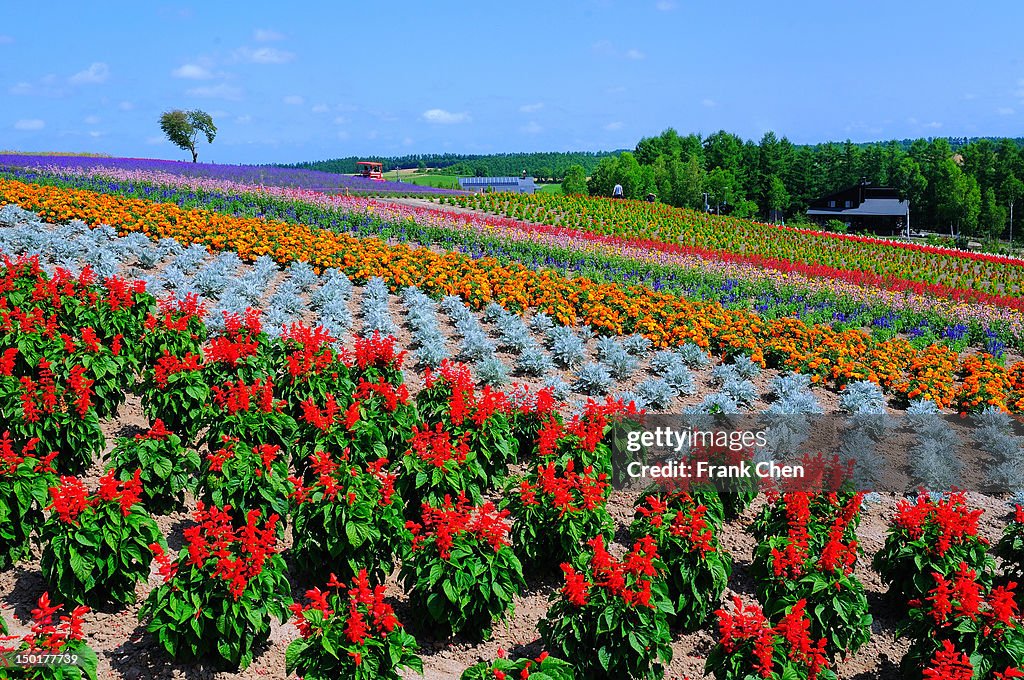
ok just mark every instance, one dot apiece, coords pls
pixel 194 154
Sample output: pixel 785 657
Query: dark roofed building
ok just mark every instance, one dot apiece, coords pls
pixel 865 208
pixel 515 185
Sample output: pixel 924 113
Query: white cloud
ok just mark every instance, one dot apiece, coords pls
pixel 531 108
pixel 665 5
pixel 192 72
pixel 635 54
pixel 614 125
pixel 6 40
pixel 264 55
pixel 321 108
pixel 243 119
pixel 294 100
pixel 934 125
pixel 266 35
pixel 407 141
pixel 95 133
pixel 445 117
pixel 126 106
pixel 710 103
pixel 222 91
pixel 340 120
pixel 1005 111
pixel 47 86
pixel 604 47
pixel 29 124
pixel 532 128
pixel 91 120
pixel 343 135
pixel 98 72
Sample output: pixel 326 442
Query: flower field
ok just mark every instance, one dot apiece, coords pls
pixel 735 283
pixel 265 432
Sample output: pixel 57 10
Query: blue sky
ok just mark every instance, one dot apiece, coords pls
pixel 298 81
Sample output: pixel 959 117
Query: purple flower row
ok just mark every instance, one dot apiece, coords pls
pixel 255 175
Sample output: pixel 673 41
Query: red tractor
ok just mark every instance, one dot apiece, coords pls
pixel 370 170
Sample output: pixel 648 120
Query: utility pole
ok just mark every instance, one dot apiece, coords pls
pixel 707 208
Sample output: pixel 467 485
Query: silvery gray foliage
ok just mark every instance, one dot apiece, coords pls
pixel 334 286
pixel 491 371
pixel 533 361
pixel 592 379
pixel 421 313
pixel 302 275
pixel 680 379
pixel 493 311
pixel 337 316
pixel 693 356
pixel 12 215
pixel 797 402
pixel 790 383
pixel 741 391
pixel 102 262
pixel 288 296
pixel 173 278
pixel 745 367
pixel 921 412
pixel 637 345
pixel 621 364
pixel 664 360
pixel 513 335
pixel 607 345
pixel 656 393
pixel 566 347
pixel 541 323
pixel 586 333
pixel 724 373
pixel 933 460
pixel 994 435
pixel 862 396
pixel 215 276
pixel 133 244
pixel 560 389
pixel 190 258
pixel 376 315
pixel 475 345
pixel 169 248
pixel 868 464
pixel 717 402
pixel 786 435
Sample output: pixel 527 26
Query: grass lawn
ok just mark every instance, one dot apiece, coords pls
pixel 549 188
pixel 424 180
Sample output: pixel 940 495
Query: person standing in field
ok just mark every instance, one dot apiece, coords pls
pixel 617 191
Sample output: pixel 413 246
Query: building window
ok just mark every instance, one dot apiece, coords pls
pixel 848 204
pixel 831 204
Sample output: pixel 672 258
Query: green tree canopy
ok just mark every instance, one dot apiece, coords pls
pixel 575 181
pixel 184 127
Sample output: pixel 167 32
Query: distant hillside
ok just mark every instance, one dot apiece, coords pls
pixel 543 165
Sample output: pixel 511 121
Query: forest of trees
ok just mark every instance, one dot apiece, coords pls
pixel 542 165
pixel 967 187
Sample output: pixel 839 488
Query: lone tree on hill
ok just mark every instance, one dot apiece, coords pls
pixel 184 127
